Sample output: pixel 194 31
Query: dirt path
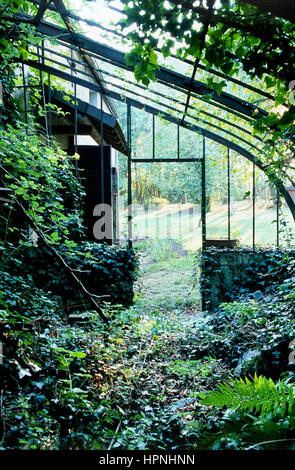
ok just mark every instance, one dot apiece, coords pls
pixel 169 284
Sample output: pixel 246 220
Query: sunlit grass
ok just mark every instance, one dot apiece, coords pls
pixel 182 222
pixel 168 284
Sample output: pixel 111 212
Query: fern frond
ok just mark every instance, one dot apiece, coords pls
pixel 260 395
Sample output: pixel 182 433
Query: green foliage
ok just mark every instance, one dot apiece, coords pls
pixel 42 179
pixel 136 386
pixel 242 311
pixel 261 395
pixel 245 325
pixel 14 34
pixel 50 398
pixel 104 270
pixel 264 267
pixel 71 388
pixel 156 250
pixel 159 202
pixel 9 111
pixel 146 63
pixel 191 368
pixel 55 377
pixel 234 430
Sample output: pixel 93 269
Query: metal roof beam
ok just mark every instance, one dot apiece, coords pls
pixel 114 95
pixel 165 160
pixel 136 104
pixel 96 75
pixel 176 101
pixel 187 115
pixel 164 75
pixel 174 87
pixel 187 61
pixel 156 93
pixel 173 100
pixel 84 108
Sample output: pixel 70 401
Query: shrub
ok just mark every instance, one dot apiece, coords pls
pixel 157 250
pixel 104 270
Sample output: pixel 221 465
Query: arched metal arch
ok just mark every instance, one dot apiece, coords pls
pixel 153 92
pixel 193 127
pixel 164 75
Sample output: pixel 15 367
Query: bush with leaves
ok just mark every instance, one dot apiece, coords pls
pixel 104 270
pixel 262 268
pixel 42 179
pixel 49 393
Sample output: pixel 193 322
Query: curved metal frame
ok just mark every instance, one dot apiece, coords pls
pixel 193 127
pixel 171 79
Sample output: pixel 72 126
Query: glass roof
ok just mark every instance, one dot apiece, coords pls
pixel 92 53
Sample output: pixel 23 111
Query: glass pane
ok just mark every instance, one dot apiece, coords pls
pixel 141 134
pixel 166 203
pixel 165 139
pixel 241 200
pixel 190 144
pixel 265 211
pixel 216 192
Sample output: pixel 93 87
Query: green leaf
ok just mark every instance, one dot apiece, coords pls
pixel 78 354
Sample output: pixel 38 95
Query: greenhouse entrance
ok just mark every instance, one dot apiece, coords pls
pixel 181 194
pixel 166 231
pixel 163 211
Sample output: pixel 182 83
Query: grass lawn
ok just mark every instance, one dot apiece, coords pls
pixel 167 283
pixel 174 236
pixel 182 222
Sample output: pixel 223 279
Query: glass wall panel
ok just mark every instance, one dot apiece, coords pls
pixel 166 203
pixel 216 191
pixel 165 139
pixel 141 134
pixel 190 144
pixel 265 211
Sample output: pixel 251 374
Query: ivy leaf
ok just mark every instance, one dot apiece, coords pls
pixel 166 49
pixel 78 354
pixel 131 57
pixel 4 44
pixel 145 81
pixel 23 373
pixel 287 119
pixel 227 67
pixel 16 5
pixel 153 58
pixel 54 237
pixel 194 48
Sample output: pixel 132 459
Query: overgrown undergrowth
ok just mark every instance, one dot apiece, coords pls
pixel 140 383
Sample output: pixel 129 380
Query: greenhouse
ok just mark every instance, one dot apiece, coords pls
pixel 147 225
